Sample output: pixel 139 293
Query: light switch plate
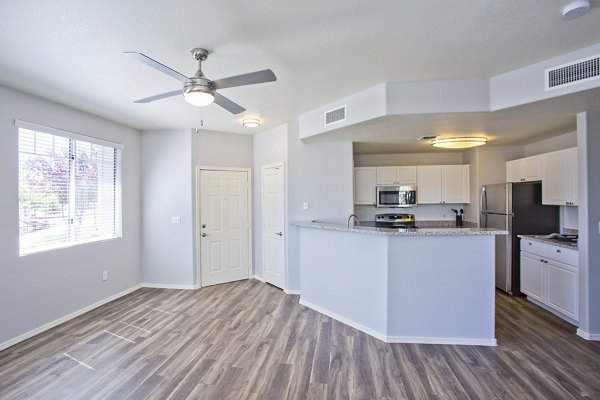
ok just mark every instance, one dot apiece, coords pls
pixel 305 206
pixel 104 275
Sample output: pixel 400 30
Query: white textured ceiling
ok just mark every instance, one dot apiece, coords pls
pixel 71 51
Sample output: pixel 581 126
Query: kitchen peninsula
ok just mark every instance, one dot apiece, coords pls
pixel 427 285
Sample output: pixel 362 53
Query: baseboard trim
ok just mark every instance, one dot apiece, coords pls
pixel 401 339
pixel 291 291
pixel 168 286
pixel 66 318
pixel 442 340
pixel 345 320
pixel 588 336
pixel 258 278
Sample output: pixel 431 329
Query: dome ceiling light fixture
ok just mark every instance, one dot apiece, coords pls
pixel 251 122
pixel 458 142
pixel 575 9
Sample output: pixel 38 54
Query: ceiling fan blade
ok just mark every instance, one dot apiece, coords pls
pixel 159 96
pixel 252 78
pixel 144 59
pixel 227 104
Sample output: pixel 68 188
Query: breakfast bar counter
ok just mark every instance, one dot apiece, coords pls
pixel 427 285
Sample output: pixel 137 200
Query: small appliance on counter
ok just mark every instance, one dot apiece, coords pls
pixel 396 196
pixel 393 220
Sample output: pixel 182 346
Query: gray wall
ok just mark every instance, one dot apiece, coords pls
pixel 40 288
pixel 321 174
pixel 216 149
pixel 488 166
pixel 588 137
pixel 167 248
pixel 270 147
pixel 382 160
pixel 554 143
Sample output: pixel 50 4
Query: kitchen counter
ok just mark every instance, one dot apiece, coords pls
pixel 373 230
pixel 427 285
pixel 554 242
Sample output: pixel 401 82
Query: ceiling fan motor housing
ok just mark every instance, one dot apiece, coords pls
pixel 199 85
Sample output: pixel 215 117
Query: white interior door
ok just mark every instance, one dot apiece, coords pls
pixel 224 226
pixel 272 225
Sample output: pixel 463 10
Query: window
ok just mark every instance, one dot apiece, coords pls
pixel 69 189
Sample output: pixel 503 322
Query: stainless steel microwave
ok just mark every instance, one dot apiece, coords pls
pixel 396 196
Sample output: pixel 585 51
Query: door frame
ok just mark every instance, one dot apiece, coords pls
pixel 248 172
pixel 280 164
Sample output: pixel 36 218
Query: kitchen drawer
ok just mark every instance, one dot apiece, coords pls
pixel 557 253
pixel 535 247
pixel 563 255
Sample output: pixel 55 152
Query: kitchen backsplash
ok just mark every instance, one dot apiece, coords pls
pixel 428 212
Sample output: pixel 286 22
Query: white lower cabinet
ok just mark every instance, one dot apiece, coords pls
pixel 549 274
pixel 532 276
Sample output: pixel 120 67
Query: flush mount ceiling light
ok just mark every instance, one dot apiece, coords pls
pixel 575 9
pixel 458 142
pixel 251 122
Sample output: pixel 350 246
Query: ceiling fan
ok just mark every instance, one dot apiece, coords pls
pixel 199 90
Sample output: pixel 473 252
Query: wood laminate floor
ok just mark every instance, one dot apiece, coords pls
pixel 248 340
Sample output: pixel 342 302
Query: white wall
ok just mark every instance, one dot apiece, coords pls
pixel 216 149
pixel 270 147
pixel 167 249
pixel 40 288
pixel 320 174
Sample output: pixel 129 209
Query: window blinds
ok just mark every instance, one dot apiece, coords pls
pixel 69 190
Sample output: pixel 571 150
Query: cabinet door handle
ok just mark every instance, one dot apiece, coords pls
pixel 557 250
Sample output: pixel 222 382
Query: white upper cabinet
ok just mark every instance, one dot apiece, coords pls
pixel 455 184
pixel 364 185
pixel 429 184
pixel 524 169
pixel 572 177
pixel 396 175
pixel 559 181
pixel 441 184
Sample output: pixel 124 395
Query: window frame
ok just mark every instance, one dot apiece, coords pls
pixel 118 195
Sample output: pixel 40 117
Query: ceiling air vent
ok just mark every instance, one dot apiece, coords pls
pixel 422 138
pixel 337 115
pixel 573 73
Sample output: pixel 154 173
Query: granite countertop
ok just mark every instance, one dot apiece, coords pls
pixel 433 231
pixel 554 242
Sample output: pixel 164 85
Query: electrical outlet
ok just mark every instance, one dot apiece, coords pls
pixel 305 206
pixel 104 275
pixel 175 220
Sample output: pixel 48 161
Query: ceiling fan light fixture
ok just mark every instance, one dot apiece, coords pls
pixel 251 122
pixel 199 97
pixel 458 142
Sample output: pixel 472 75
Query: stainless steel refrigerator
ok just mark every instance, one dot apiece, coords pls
pixel 517 208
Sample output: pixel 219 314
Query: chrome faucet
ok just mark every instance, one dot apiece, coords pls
pixel 356 222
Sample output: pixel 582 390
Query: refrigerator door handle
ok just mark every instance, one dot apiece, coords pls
pixel 483 200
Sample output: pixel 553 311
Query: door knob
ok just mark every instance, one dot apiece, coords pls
pixel 204 225
pixel 204 235
pixel 279 233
